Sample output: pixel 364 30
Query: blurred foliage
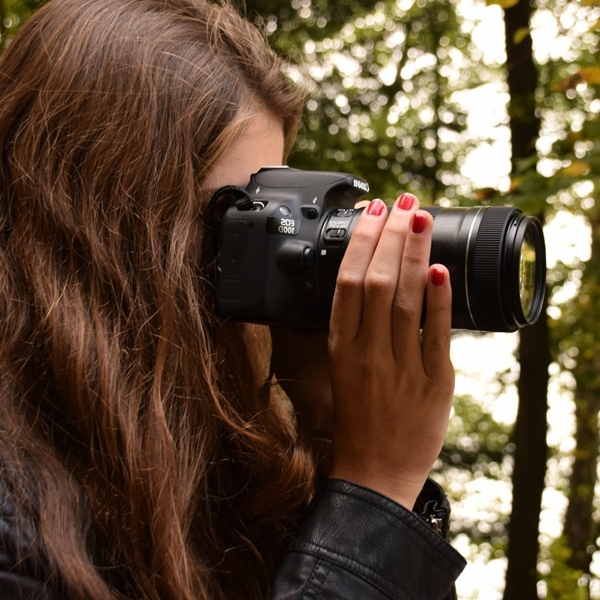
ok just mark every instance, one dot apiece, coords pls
pixel 12 14
pixel 477 447
pixel 564 583
pixel 475 441
pixel 381 78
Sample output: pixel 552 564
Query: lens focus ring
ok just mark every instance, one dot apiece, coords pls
pixel 487 267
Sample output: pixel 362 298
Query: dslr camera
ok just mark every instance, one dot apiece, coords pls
pixel 281 241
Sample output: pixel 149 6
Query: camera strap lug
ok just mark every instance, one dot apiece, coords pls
pixel 241 199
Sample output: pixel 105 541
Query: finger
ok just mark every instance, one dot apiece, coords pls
pixel 347 309
pixel 381 280
pixel 362 204
pixel 408 302
pixel 438 321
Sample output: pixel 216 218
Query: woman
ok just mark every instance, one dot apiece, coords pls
pixel 145 448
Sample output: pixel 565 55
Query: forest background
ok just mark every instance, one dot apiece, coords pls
pixel 467 103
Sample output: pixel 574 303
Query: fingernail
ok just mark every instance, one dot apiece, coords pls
pixel 376 208
pixel 406 201
pixel 419 223
pixel 438 277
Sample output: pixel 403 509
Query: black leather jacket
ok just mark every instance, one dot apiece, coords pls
pixel 354 545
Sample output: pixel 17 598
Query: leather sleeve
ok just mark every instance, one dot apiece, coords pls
pixel 356 544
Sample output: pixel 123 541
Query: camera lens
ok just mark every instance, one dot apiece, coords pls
pixel 495 255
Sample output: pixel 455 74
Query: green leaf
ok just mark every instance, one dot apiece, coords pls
pixel 575 169
pixel 503 3
pixel 520 35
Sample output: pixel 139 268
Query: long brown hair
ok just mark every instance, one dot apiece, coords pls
pixel 131 432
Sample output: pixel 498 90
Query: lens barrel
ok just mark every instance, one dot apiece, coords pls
pixel 495 255
pixel 497 262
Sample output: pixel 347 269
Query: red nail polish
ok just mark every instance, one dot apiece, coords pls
pixel 406 201
pixel 376 208
pixel 438 277
pixel 419 223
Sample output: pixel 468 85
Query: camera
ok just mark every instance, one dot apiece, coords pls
pixel 281 241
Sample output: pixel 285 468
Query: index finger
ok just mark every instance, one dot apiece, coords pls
pixel 347 308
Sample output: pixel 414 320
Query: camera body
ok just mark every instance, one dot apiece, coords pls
pixel 280 247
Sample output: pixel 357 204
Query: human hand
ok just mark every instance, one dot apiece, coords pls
pixel 392 387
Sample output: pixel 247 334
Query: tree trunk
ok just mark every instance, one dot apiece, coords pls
pixel 534 350
pixel 580 529
pixel 530 463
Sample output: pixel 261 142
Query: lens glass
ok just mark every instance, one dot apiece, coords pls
pixel 527 272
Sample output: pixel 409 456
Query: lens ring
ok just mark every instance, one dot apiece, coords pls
pixel 526 270
pixel 487 272
pixel 494 267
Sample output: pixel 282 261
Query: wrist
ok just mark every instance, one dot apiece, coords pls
pixel 402 491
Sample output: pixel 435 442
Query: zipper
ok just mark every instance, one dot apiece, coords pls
pixel 435 516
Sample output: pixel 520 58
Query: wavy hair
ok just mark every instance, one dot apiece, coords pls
pixel 131 433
